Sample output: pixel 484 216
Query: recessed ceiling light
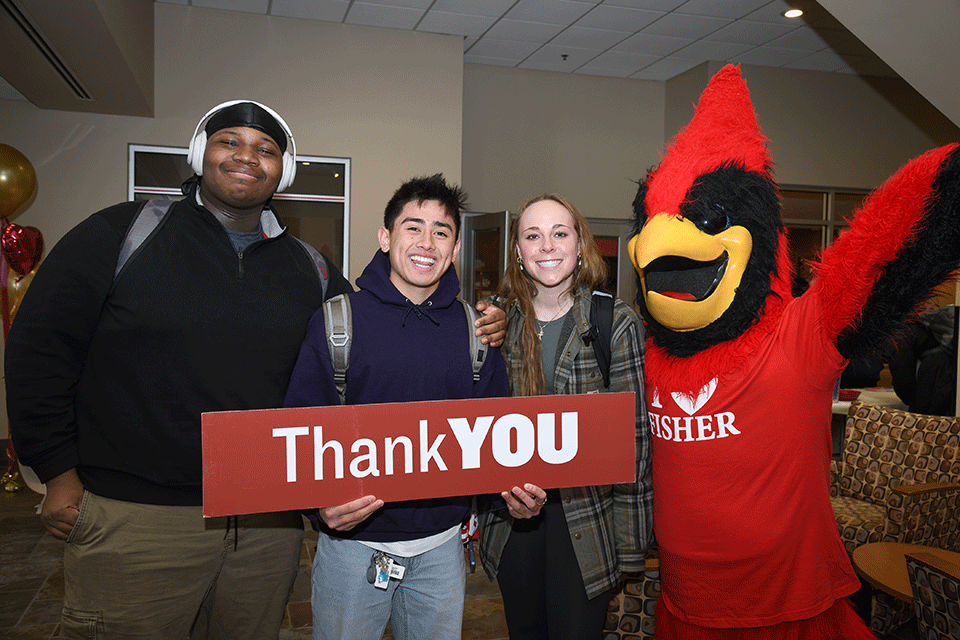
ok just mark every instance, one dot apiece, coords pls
pixel 793 13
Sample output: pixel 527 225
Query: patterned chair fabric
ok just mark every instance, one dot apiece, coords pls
pixel 630 614
pixel 905 465
pixel 936 596
pixel 897 481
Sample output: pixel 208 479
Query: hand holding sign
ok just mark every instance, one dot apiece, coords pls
pixel 525 503
pixel 347 516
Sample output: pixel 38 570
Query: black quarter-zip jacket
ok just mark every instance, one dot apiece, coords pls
pixel 112 376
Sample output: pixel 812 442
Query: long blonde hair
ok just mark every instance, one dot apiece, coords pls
pixel 518 286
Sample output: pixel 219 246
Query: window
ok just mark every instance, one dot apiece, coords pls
pixel 315 208
pixel 814 218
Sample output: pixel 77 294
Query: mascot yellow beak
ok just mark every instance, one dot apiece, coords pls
pixel 689 277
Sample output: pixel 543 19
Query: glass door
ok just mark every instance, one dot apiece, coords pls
pixel 483 250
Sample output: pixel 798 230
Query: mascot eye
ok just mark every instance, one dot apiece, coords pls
pixel 711 220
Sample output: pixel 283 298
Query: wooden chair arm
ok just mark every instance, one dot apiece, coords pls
pixel 926 487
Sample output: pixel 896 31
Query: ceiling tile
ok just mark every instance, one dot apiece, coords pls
pixel 653 5
pixel 587 70
pixel 524 31
pixel 664 69
pixel 328 10
pixel 732 9
pixel 803 38
pixel 623 61
pixel 708 50
pixel 489 8
pixel 605 37
pixel 755 33
pixel 562 12
pixel 589 38
pixel 403 4
pixel 684 26
pixel 551 58
pixel 383 16
pixel 503 49
pixel 652 44
pixel 618 18
pixel 454 23
pixel 249 6
pixel 767 56
pixel 773 12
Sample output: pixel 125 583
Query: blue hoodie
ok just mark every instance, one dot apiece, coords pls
pixel 401 352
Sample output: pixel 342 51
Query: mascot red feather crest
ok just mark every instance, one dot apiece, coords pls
pixel 740 374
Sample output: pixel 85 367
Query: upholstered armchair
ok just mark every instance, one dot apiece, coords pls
pixel 936 596
pixel 898 480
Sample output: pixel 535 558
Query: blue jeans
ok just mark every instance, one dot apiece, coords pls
pixel 427 604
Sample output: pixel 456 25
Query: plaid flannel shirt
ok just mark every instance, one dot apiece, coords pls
pixel 611 526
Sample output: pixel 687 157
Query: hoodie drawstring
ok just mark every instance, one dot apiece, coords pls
pixel 420 312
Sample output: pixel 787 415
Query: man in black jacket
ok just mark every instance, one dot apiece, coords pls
pixel 108 373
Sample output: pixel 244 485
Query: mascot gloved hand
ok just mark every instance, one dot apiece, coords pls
pixel 740 375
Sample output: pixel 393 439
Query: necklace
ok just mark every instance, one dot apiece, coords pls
pixel 542 324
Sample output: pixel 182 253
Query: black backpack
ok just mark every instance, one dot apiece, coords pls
pixel 600 333
pixel 152 215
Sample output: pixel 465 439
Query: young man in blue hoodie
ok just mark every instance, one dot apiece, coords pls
pixel 408 329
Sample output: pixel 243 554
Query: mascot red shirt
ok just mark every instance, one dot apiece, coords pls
pixel 740 374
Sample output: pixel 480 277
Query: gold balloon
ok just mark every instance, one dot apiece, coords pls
pixel 18 180
pixel 16 287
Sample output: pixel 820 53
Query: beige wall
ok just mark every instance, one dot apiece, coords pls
pixel 588 138
pixel 390 100
pixel 826 129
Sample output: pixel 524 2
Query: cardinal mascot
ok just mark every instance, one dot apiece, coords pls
pixel 740 374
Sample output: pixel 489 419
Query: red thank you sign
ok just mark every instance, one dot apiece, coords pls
pixel 325 456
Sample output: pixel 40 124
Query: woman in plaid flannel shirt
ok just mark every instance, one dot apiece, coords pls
pixel 557 571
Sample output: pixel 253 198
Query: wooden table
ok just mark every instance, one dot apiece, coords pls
pixel 884 565
pixel 880 396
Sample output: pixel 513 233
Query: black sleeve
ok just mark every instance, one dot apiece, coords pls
pixel 49 339
pixel 336 283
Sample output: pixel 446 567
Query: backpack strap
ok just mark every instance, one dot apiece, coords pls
pixel 149 219
pixel 478 350
pixel 319 262
pixel 338 322
pixel 601 320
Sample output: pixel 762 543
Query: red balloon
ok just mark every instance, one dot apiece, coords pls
pixel 22 247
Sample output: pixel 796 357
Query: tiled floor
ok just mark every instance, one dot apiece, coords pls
pixel 31 583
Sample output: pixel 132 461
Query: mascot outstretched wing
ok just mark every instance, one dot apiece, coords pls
pixel 740 374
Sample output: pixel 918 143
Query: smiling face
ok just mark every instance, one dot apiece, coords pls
pixel 421 245
pixel 548 245
pixel 241 169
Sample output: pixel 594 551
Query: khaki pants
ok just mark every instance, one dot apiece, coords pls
pixel 148 571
